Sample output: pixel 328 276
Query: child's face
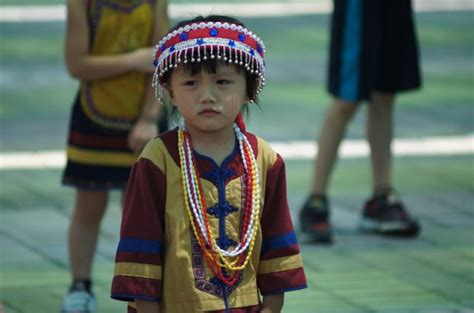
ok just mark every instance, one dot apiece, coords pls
pixel 209 101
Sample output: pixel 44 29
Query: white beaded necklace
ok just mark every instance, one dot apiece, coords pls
pixel 191 186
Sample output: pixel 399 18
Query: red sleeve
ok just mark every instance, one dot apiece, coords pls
pixel 280 267
pixel 139 253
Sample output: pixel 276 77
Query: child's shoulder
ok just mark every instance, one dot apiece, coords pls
pixel 168 136
pixel 258 141
pixel 262 148
pixel 161 143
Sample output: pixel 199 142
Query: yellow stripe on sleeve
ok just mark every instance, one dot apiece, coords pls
pixel 280 264
pixel 138 270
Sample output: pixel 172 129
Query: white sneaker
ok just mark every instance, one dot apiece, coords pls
pixel 79 301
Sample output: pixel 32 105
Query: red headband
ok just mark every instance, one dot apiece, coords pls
pixel 199 41
pixel 210 30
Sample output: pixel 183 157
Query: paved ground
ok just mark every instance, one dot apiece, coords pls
pixel 359 273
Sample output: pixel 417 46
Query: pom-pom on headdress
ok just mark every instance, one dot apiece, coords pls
pixel 200 41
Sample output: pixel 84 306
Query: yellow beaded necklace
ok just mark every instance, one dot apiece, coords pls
pixel 218 258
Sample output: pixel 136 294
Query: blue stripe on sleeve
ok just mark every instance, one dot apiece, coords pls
pixel 275 292
pixel 278 242
pixel 350 52
pixel 139 245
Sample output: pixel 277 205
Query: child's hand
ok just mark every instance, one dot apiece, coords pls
pixel 272 303
pixel 142 60
pixel 147 306
pixel 142 132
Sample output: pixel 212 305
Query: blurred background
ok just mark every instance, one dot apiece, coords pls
pixel 359 273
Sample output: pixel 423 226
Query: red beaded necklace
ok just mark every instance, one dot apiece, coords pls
pixel 217 258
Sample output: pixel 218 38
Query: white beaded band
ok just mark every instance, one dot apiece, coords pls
pixel 199 42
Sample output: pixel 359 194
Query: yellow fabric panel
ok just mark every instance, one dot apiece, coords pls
pixel 280 264
pixel 178 243
pixel 118 32
pixel 156 152
pixel 120 97
pixel 101 158
pixel 138 270
pixel 265 160
pixel 266 156
pixel 121 31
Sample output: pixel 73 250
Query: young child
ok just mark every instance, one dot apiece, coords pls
pixel 109 48
pixel 206 225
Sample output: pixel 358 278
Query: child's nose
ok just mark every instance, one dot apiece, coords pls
pixel 207 94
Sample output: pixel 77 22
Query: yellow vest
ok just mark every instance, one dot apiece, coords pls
pixel 116 27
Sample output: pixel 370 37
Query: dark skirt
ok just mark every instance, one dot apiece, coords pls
pixel 98 158
pixel 373 48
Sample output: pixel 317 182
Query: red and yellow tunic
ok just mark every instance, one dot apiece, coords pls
pixel 158 257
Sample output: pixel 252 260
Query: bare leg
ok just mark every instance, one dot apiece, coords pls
pixel 84 229
pixel 384 213
pixel 379 135
pixel 332 132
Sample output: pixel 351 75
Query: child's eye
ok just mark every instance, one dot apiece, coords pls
pixel 223 81
pixel 190 83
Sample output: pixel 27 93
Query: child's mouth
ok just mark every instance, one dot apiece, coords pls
pixel 209 112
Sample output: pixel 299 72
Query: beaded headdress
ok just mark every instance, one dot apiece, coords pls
pixel 200 41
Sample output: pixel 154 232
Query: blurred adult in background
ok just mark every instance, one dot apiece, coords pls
pixel 373 56
pixel 115 113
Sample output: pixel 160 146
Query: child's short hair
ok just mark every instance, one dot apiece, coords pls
pixel 200 43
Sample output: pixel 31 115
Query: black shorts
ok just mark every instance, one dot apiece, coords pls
pixel 373 47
